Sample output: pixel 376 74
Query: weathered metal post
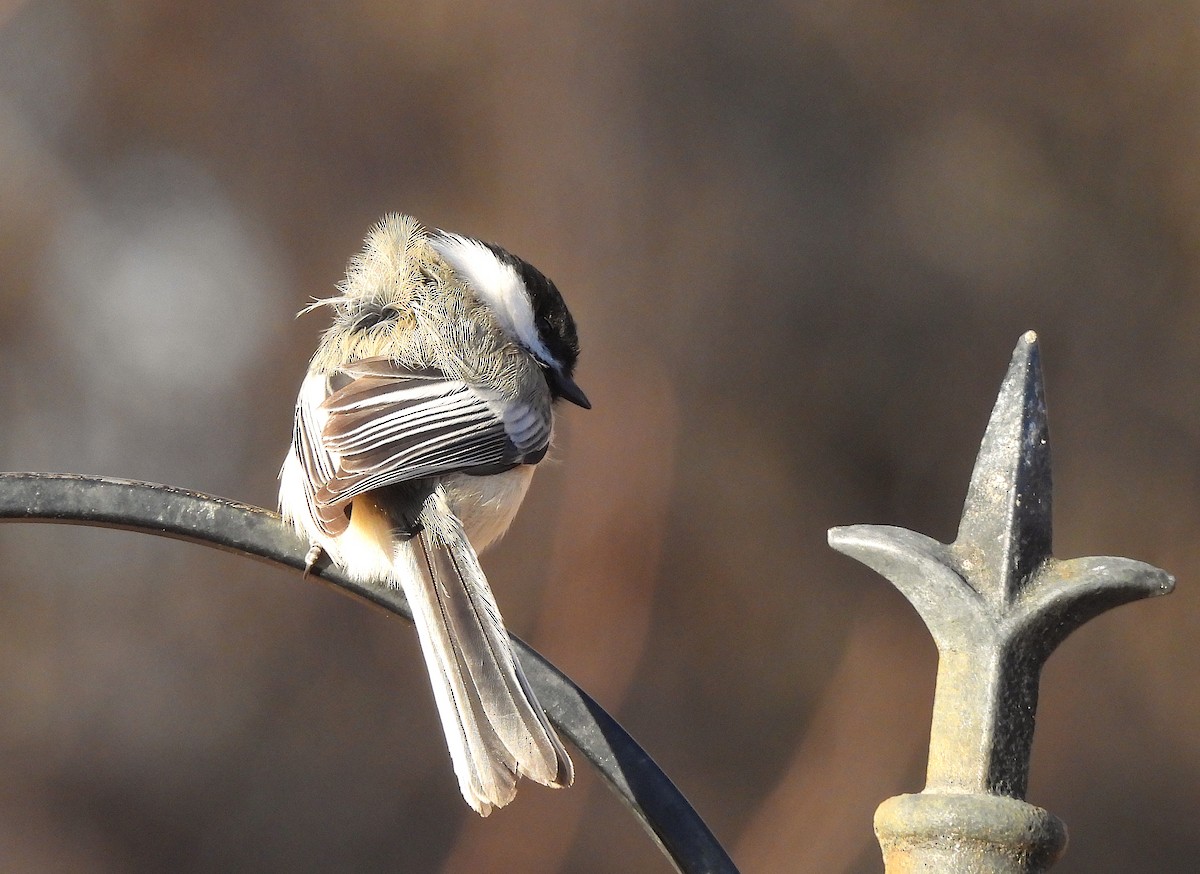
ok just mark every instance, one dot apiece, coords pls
pixel 997 604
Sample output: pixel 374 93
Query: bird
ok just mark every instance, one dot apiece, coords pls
pixel 425 409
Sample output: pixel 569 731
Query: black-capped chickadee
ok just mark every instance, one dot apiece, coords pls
pixel 425 408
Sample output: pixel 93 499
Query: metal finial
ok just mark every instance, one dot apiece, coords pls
pixel 996 602
pixel 1005 529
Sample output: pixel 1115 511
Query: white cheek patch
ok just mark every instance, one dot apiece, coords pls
pixel 497 285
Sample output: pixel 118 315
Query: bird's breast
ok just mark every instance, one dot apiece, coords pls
pixel 487 504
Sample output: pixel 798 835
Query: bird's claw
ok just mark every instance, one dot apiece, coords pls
pixel 311 558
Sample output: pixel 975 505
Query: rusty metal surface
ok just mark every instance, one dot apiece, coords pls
pixel 234 527
pixel 997 604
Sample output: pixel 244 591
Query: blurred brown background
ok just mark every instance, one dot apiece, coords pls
pixel 800 239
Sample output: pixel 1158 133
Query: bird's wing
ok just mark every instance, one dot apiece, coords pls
pixel 376 423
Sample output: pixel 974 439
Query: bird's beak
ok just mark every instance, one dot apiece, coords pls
pixel 564 387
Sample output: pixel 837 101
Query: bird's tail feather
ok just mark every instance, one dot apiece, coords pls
pixel 494 726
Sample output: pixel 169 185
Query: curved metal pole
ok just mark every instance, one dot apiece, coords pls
pixel 234 527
